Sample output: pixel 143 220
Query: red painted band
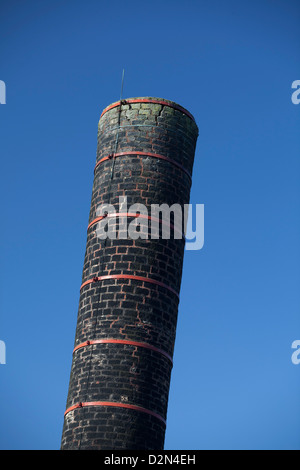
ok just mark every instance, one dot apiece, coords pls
pixel 162 102
pixel 129 276
pixel 145 154
pixel 123 341
pixel 132 214
pixel 117 405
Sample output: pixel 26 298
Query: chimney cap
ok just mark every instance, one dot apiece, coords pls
pixel 152 100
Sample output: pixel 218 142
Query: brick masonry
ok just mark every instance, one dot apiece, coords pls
pixel 130 309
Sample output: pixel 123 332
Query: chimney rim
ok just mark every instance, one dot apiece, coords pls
pixel 150 100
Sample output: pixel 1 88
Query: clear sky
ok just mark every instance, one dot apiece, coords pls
pixel 231 64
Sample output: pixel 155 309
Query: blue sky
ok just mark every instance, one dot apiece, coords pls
pixel 231 64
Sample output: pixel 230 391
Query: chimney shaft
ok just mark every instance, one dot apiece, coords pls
pixel 126 325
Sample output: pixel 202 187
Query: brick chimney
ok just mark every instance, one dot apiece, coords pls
pixel 129 294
